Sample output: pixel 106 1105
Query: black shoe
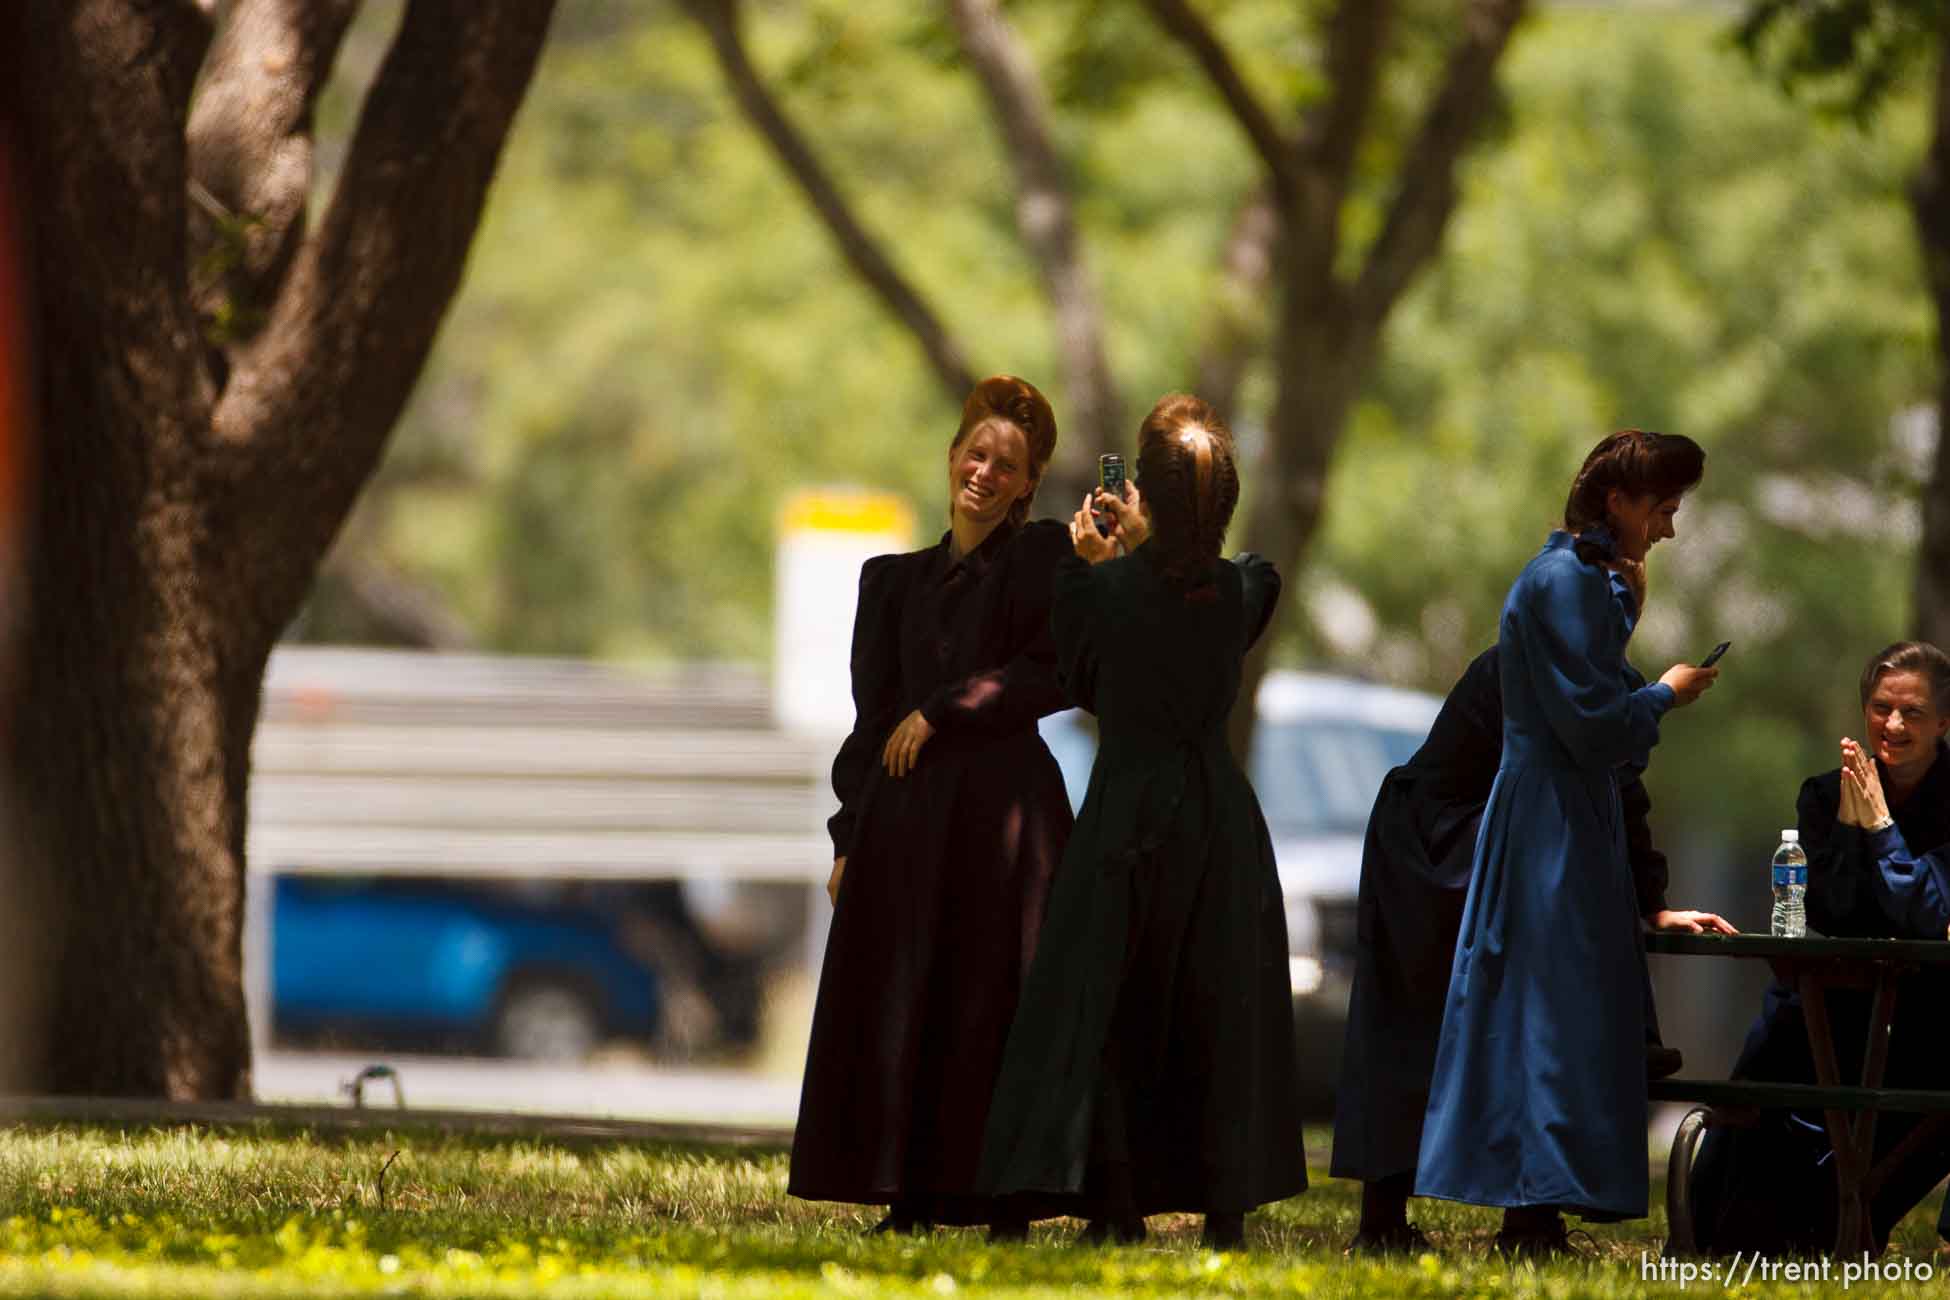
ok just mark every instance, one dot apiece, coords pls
pixel 1662 1061
pixel 903 1224
pixel 1541 1245
pixel 1108 1232
pixel 1406 1239
pixel 1225 1231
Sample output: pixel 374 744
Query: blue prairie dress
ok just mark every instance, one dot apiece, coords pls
pixel 1538 1097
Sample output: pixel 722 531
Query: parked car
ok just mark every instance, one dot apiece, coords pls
pixel 1320 751
pixel 515 971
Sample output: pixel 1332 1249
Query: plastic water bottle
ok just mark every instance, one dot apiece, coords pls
pixel 1790 883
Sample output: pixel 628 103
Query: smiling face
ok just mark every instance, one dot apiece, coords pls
pixel 988 471
pixel 1903 724
pixel 1640 522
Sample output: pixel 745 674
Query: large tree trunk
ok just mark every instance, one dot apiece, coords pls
pixel 191 477
pixel 119 741
pixel 1322 360
pixel 133 760
pixel 1931 207
pixel 1330 326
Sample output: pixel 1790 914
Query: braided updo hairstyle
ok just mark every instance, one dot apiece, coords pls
pixel 1009 400
pixel 1190 483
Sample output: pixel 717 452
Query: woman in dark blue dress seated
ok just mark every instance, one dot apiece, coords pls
pixel 1537 1102
pixel 1151 1067
pixel 952 819
pixel 1414 875
pixel 1877 834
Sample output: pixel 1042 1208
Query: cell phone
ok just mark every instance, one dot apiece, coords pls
pixel 1110 477
pixel 1714 656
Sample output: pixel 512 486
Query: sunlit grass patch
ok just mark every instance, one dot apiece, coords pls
pixel 220 1213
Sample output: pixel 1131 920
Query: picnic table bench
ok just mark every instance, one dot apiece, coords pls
pixel 1812 966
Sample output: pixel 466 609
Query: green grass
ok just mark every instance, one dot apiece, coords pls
pixel 100 1211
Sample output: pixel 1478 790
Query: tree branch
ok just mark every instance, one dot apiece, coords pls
pixel 251 153
pixel 1412 232
pixel 313 399
pixel 104 96
pixel 1238 324
pixel 1046 217
pixel 1279 154
pixel 721 21
pixel 1358 32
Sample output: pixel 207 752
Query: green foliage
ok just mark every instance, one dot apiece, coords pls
pixel 658 341
pixel 1664 242
pixel 1845 55
pixel 260 1213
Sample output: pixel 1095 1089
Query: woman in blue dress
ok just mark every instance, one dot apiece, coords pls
pixel 1538 1100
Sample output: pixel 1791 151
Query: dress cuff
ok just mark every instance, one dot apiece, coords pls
pixel 1662 696
pixel 1888 842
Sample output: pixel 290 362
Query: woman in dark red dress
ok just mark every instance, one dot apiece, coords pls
pixel 952 818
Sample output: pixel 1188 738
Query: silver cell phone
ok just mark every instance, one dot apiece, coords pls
pixel 1110 477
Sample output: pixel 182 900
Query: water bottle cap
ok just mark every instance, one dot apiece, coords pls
pixel 1790 836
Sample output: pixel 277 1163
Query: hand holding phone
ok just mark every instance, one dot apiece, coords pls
pixel 1713 657
pixel 1110 477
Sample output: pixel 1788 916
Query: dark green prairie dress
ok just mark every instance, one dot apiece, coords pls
pixel 1156 1026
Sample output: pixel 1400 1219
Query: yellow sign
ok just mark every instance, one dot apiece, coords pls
pixel 839 510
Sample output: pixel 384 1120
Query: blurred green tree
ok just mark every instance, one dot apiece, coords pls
pixel 658 342
pixel 1849 59
pixel 1334 270
pixel 1663 242
pixel 218 380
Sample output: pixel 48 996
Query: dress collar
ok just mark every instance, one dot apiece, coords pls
pixel 1595 545
pixel 979 559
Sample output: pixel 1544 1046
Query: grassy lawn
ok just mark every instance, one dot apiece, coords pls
pixel 166 1212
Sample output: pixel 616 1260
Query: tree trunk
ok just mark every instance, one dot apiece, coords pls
pixel 1321 360
pixel 1931 208
pixel 184 498
pixel 133 761
pixel 1330 327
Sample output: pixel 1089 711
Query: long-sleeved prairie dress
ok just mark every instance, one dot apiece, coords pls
pixel 1770 1188
pixel 1538 1095
pixel 947 873
pixel 1156 1029
pixel 1415 867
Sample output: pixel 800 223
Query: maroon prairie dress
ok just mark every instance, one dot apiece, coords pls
pixel 947 872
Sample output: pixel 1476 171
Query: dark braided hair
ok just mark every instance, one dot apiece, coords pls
pixel 1009 400
pixel 1190 483
pixel 1636 462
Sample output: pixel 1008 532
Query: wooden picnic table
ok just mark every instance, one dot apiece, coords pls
pixel 1812 966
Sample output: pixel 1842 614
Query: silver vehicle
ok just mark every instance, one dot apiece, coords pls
pixel 1320 751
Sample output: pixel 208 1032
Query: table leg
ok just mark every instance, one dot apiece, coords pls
pixel 1924 1134
pixel 1852 1227
pixel 1875 1055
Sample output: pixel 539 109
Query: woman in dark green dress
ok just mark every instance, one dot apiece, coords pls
pixel 1151 1064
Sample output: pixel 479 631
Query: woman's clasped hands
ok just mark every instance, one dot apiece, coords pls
pixel 1863 802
